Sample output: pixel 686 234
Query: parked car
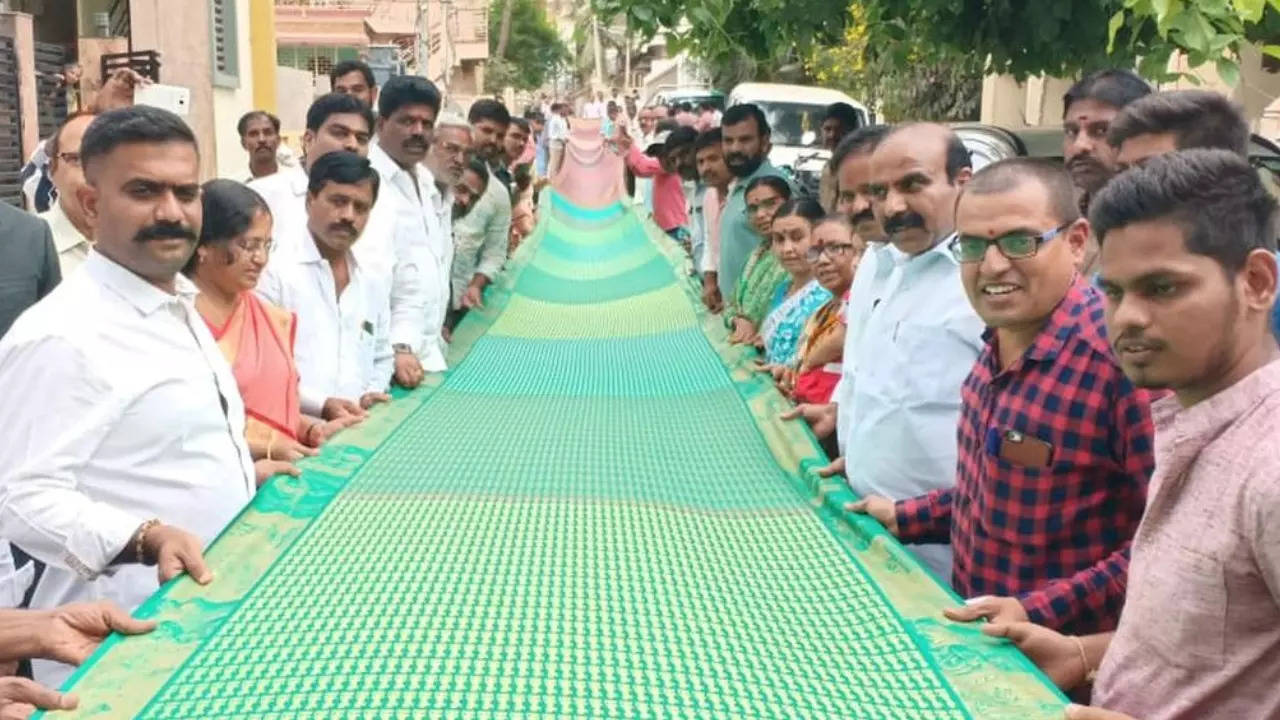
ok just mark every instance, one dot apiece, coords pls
pixel 795 114
pixel 694 95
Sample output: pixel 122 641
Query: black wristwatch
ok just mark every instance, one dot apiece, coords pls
pixel 402 348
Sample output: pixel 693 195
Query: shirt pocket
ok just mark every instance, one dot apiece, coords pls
pixel 1024 506
pixel 1181 601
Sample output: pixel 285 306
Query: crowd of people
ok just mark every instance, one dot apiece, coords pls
pixel 1052 381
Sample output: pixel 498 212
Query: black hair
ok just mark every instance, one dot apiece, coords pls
pixel 336 104
pixel 1213 195
pixel 344 168
pixel 859 142
pixel 134 124
pixel 665 126
pixel 54 145
pixel 1197 119
pixel 686 107
pixel 522 176
pixel 777 184
pixel 486 109
pixel 706 105
pixel 243 126
pixel 520 123
pixel 741 112
pixel 1010 173
pixel 958 157
pixel 1115 87
pixel 534 116
pixel 845 113
pixel 805 207
pixel 229 210
pixel 346 67
pixel 708 138
pixel 477 165
pixel 681 136
pixel 403 90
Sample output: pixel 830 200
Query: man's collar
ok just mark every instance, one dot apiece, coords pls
pixel 65 234
pixel 385 164
pixel 142 295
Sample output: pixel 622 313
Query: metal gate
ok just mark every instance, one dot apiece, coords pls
pixel 10 126
pixel 51 107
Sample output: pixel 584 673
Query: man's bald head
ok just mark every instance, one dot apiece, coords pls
pixel 916 175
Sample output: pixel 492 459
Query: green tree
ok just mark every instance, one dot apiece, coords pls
pixel 533 51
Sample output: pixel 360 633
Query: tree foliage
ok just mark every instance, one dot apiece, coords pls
pixel 1019 37
pixel 533 52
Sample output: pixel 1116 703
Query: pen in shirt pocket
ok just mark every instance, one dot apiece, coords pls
pixel 367 327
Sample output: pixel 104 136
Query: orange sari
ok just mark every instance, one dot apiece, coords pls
pixel 257 341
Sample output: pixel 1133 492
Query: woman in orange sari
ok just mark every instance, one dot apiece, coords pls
pixel 255 336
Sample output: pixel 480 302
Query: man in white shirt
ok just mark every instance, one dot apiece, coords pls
pixel 65 216
pixel 404 239
pixel 557 136
pixel 122 419
pixel 334 122
pixel 481 236
pixel 343 349
pixel 446 160
pixel 594 110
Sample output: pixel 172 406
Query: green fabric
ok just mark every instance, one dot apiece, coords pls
pixel 594 513
pixel 756 288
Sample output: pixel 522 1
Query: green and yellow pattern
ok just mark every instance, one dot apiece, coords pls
pixel 594 514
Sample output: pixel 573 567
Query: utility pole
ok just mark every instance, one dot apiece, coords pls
pixel 595 36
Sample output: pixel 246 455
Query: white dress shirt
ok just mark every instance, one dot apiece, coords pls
pixel 342 347
pixel 404 243
pixel 118 408
pixel 71 244
pixel 913 341
pixel 286 194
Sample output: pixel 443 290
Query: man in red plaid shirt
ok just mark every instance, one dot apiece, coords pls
pixel 1055 443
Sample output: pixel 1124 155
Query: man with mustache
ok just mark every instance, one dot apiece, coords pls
pixel 355 78
pixel 920 336
pixel 260 136
pixel 745 137
pixel 713 182
pixel 343 347
pixel 1054 441
pixel 1189 274
pixel 481 236
pixel 447 159
pixel 406 240
pixel 1088 108
pixel 122 419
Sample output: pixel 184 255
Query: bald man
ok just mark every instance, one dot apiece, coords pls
pixel 913 336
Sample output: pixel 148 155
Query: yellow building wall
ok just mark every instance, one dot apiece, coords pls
pixel 262 40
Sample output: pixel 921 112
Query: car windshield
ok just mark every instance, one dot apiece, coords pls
pixel 790 121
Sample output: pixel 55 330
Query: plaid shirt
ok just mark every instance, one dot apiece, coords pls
pixel 1057 537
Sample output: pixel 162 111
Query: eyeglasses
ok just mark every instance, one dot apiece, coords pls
pixel 1014 245
pixel 254 247
pixel 70 158
pixel 833 250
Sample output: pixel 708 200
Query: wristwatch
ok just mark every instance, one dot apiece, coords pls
pixel 402 348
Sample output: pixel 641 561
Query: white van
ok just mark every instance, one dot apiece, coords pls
pixel 795 114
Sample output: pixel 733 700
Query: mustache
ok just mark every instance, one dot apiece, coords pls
pixel 1085 162
pixel 416 142
pixel 864 216
pixel 902 222
pixel 165 231
pixel 346 227
pixel 1136 338
pixel 735 159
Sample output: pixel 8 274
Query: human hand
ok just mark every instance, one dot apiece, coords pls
pixel 320 431
pixel 71 633
pixel 711 293
pixel 118 90
pixel 995 609
pixel 743 331
pixel 1080 712
pixel 20 698
pixel 836 467
pixel 821 418
pixel 335 408
pixel 370 399
pixel 409 371
pixel 1056 655
pixel 175 551
pixel 473 297
pixel 290 450
pixel 263 470
pixel 880 508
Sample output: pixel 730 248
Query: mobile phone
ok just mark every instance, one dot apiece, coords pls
pixel 174 98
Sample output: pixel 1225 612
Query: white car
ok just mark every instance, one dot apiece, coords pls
pixel 795 114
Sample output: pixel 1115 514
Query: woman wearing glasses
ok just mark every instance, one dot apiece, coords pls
pixel 255 336
pixel 834 254
pixel 800 295
pixel 762 273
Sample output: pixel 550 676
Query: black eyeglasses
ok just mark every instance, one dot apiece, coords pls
pixel 832 250
pixel 1014 245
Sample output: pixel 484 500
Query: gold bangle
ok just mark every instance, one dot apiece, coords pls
pixel 271 441
pixel 1089 674
pixel 141 537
